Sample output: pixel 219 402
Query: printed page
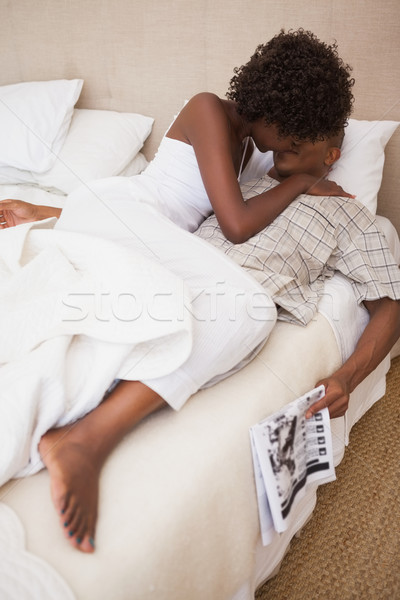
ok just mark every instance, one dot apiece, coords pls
pixel 292 451
pixel 264 511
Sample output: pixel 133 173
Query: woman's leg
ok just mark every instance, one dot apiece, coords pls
pixel 75 454
pixel 231 316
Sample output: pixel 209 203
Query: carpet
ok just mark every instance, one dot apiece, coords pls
pixel 350 549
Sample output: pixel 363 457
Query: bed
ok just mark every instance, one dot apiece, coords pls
pixel 178 513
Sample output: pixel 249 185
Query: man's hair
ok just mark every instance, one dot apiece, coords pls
pixel 339 138
pixel 296 82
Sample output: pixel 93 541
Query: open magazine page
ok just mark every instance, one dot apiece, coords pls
pixel 264 511
pixel 290 451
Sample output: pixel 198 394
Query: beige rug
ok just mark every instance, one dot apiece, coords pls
pixel 350 549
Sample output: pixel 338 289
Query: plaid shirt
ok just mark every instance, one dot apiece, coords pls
pixel 310 240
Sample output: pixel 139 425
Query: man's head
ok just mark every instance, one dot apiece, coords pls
pixel 297 83
pixel 313 158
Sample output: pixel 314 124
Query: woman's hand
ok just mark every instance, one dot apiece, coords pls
pixel 16 212
pixel 326 187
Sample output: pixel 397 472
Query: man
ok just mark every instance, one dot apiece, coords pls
pixel 308 242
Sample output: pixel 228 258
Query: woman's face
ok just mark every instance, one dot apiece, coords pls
pixel 266 137
pixel 293 156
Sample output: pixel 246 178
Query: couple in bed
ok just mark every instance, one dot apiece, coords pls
pixel 288 245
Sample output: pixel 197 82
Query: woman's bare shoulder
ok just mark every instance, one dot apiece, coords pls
pixel 205 102
pixel 204 111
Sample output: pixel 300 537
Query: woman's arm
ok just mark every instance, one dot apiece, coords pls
pixel 206 123
pixel 15 212
pixel 378 338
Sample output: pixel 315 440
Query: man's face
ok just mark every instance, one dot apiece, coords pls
pixel 303 157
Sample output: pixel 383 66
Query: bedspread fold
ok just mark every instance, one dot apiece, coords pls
pixel 76 312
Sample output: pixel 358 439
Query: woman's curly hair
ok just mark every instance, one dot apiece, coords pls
pixel 296 82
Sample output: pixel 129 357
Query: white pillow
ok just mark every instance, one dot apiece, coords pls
pixel 136 166
pixel 100 143
pixel 360 167
pixel 34 121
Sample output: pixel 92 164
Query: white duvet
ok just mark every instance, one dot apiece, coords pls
pixel 200 495
pixel 76 312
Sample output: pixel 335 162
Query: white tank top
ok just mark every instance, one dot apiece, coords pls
pixel 172 184
pixel 175 185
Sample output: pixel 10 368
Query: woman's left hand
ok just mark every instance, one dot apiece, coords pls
pixel 16 212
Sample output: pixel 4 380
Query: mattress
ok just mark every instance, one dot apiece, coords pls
pixel 195 465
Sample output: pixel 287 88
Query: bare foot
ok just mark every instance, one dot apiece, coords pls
pixel 74 456
pixel 74 482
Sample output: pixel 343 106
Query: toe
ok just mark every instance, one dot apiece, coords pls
pixel 86 544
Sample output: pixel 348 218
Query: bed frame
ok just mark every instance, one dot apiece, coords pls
pixel 148 56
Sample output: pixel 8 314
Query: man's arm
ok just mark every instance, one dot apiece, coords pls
pixel 378 338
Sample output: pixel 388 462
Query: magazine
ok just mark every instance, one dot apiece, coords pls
pixel 289 452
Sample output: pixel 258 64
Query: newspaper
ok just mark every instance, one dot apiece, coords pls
pixel 289 452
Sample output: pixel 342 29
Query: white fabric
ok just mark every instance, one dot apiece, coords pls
pixel 231 313
pixel 359 170
pixel 33 194
pixel 171 183
pixel 100 143
pixel 391 235
pixel 200 459
pixel 135 166
pixel 258 164
pixel 23 575
pixel 174 181
pixel 39 388
pixel 76 312
pixel 35 116
pixel 196 465
pixel 10 175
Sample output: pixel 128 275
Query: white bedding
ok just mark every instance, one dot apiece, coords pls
pixel 33 194
pixel 195 523
pixel 346 318
pixel 64 298
pixel 24 575
pixel 199 467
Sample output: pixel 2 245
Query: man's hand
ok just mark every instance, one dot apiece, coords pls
pixel 381 332
pixel 16 212
pixel 336 399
